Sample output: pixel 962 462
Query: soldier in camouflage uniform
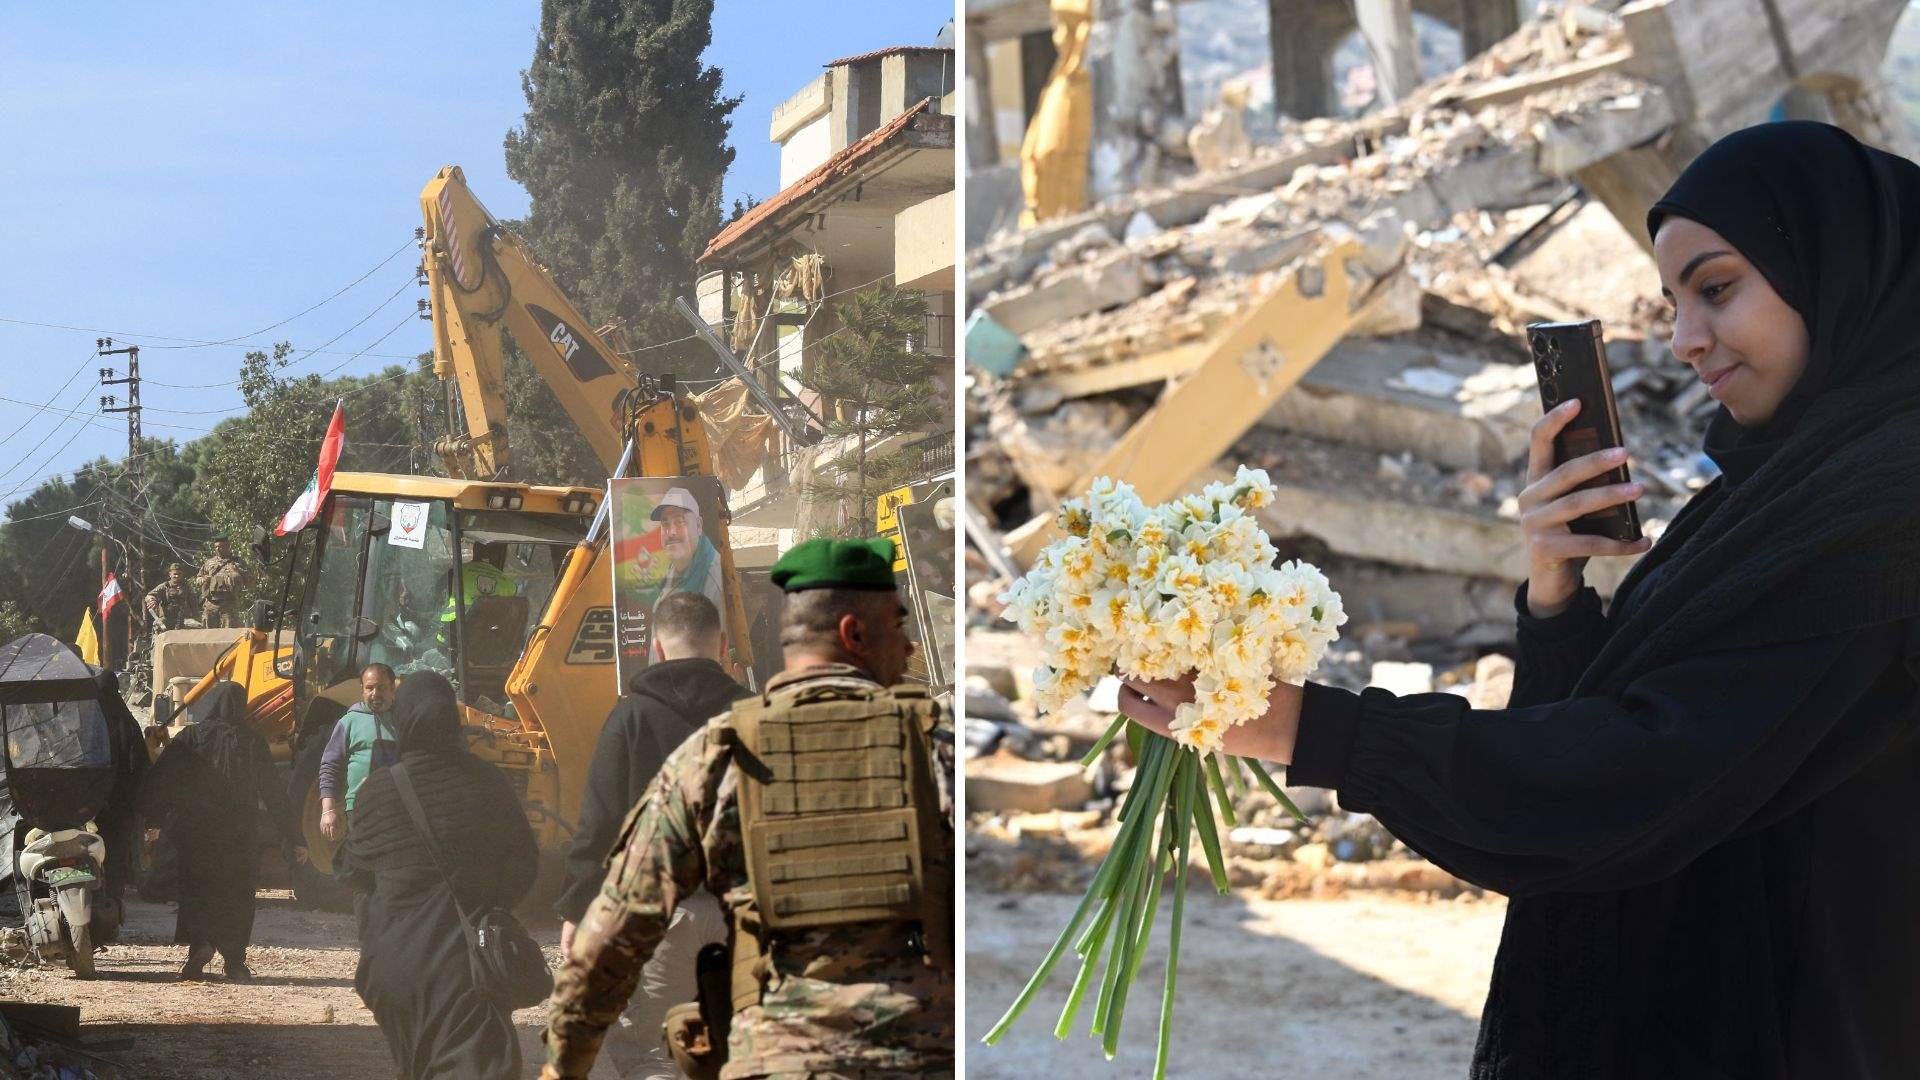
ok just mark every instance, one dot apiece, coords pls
pixel 864 1001
pixel 221 580
pixel 171 603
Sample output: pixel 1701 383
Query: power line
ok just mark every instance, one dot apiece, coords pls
pixel 77 432
pixel 304 354
pixel 53 432
pixel 304 311
pixel 147 336
pixel 84 364
pixel 69 511
pixel 404 320
pixel 65 563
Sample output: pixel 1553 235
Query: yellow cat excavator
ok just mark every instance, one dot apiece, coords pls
pixel 384 574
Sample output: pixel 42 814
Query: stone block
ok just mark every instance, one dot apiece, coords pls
pixel 1004 784
pixel 1104 283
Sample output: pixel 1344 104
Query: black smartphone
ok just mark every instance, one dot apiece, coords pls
pixel 1570 361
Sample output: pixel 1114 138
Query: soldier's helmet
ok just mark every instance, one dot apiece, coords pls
pixel 173 566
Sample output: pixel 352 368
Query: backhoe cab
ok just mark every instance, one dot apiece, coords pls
pixel 426 574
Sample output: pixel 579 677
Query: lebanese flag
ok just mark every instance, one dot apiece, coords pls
pixel 307 506
pixel 109 596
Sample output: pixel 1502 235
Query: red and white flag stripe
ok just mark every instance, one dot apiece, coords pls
pixel 307 506
pixel 109 596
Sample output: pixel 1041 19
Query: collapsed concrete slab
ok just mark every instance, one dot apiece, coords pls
pixel 1458 542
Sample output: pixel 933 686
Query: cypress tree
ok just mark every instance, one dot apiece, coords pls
pixel 623 151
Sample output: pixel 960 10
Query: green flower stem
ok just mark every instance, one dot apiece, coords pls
pixel 1210 840
pixel 1273 789
pixel 1098 934
pixel 1119 724
pixel 1160 864
pixel 1135 858
pixel 1150 751
pixel 1085 944
pixel 1236 777
pixel 1153 763
pixel 1220 790
pixel 1125 903
pixel 1138 923
pixel 1183 816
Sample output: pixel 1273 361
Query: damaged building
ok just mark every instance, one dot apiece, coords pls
pixel 868 197
pixel 1338 295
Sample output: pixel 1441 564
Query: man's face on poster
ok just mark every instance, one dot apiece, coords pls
pixel 678 536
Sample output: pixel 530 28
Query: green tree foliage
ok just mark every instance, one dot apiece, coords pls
pixel 622 151
pixel 48 569
pixel 14 621
pixel 266 455
pixel 243 474
pixel 545 446
pixel 879 389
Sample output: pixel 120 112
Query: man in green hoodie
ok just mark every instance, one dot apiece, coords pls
pixel 361 741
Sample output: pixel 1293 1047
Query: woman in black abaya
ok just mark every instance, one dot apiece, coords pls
pixel 1701 801
pixel 206 791
pixel 414 973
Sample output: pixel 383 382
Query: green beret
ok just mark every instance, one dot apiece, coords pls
pixel 866 563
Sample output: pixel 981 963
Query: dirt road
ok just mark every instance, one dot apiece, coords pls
pixel 1363 987
pixel 298 1020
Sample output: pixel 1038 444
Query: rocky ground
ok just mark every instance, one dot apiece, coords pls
pixel 1366 987
pixel 298 1020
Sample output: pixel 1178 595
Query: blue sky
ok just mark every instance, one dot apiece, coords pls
pixel 205 170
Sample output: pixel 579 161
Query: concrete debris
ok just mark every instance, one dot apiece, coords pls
pixel 1001 783
pixel 1514 189
pixel 1220 138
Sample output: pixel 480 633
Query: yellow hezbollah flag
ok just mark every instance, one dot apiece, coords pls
pixel 86 640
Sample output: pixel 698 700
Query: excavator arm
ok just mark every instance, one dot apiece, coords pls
pixel 483 280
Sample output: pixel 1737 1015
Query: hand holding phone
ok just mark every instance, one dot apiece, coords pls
pixel 1578 501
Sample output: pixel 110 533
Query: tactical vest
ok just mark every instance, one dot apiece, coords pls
pixel 840 819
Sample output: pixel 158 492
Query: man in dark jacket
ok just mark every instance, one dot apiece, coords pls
pixel 667 701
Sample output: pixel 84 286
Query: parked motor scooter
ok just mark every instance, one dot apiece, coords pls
pixel 66 865
pixel 58 756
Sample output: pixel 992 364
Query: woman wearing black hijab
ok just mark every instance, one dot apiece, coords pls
pixel 414 973
pixel 1701 802
pixel 206 791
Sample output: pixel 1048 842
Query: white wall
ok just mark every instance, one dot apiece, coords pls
pixel 806 149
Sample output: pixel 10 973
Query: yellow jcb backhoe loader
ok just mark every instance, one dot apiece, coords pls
pixel 379 577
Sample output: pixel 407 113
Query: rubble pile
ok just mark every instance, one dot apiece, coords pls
pixel 1429 403
pixel 1399 456
pixel 1038 821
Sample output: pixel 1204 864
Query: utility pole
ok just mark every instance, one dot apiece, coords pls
pixel 134 463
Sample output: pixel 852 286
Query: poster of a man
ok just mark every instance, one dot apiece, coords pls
pixel 665 540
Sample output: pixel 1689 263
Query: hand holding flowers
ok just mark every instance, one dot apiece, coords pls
pixel 1184 601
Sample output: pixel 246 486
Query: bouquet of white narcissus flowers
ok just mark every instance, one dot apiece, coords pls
pixel 1185 588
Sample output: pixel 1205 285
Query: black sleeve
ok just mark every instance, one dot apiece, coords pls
pixel 603 806
pixel 1599 793
pixel 1554 652
pixel 273 795
pixel 163 787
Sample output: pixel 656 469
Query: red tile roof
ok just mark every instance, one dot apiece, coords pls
pixel 888 52
pixel 837 167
